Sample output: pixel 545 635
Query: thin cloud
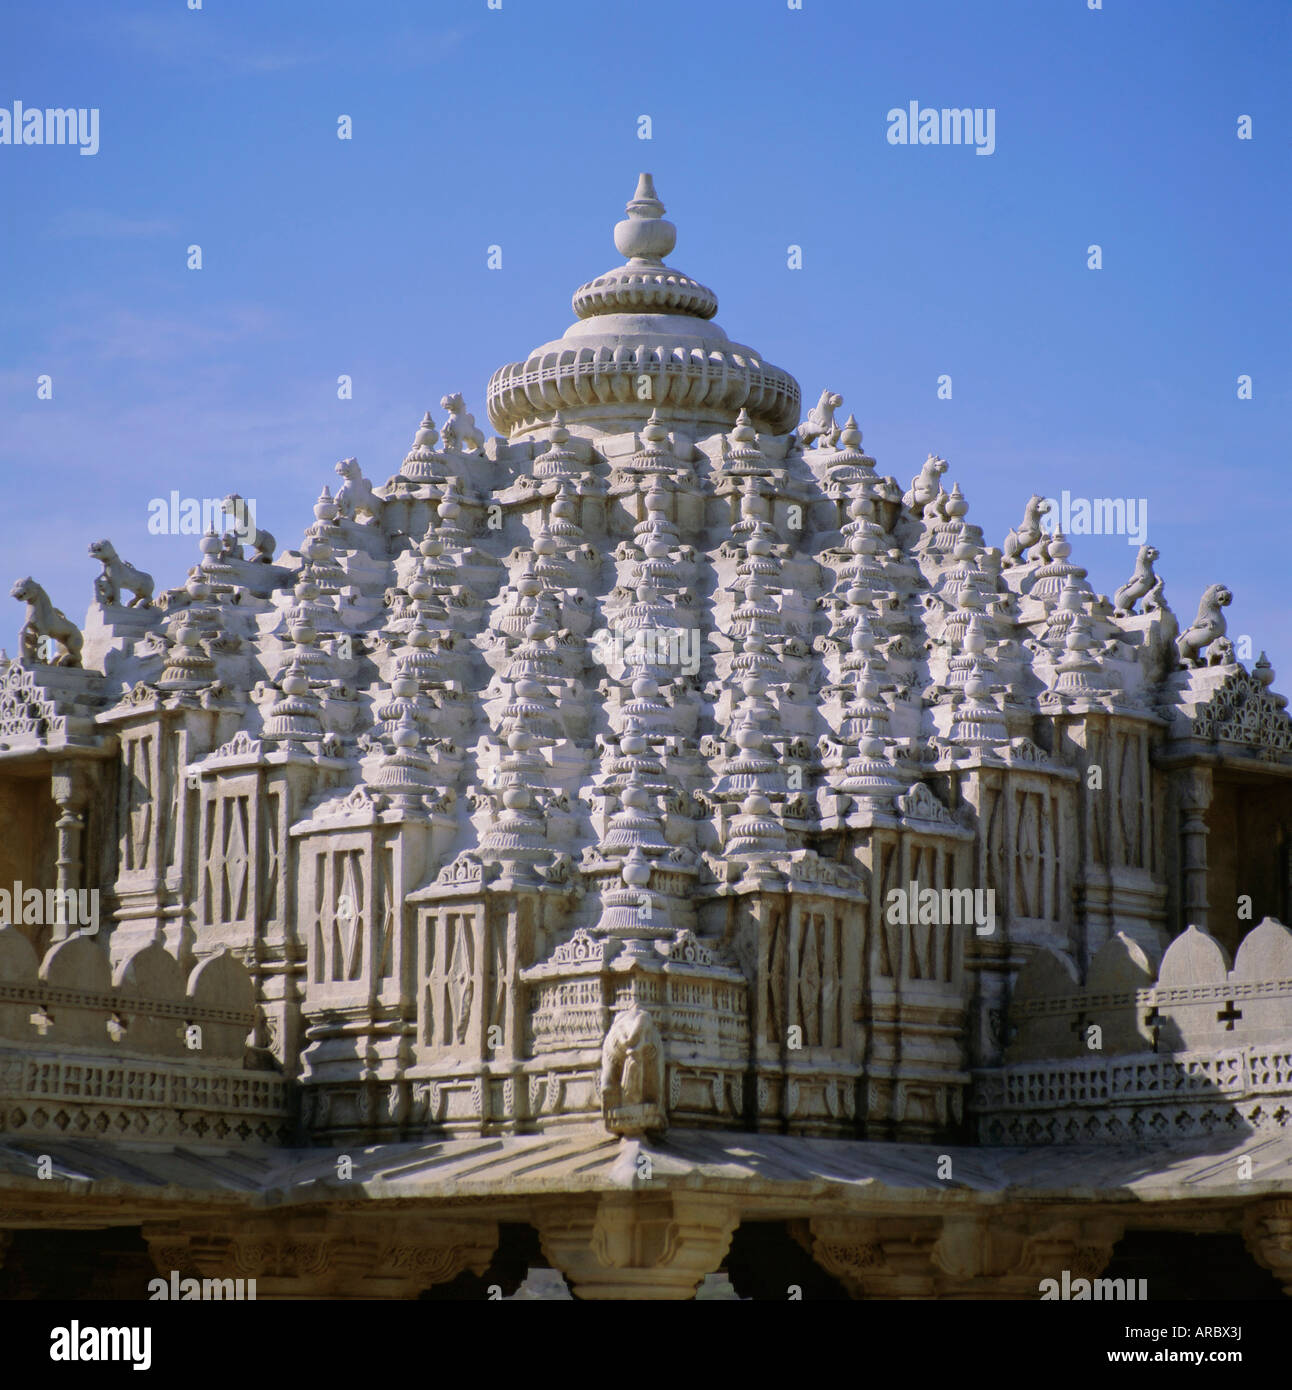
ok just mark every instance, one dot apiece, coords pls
pixel 116 334
pixel 181 40
pixel 413 48
pixel 99 223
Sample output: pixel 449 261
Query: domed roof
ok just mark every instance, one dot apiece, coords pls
pixel 644 341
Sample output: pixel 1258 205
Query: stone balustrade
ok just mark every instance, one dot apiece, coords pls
pixel 1147 1049
pixel 145 1051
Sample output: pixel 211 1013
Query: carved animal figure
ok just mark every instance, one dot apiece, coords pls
pixel 926 485
pixel 355 494
pixel 1019 541
pixel 459 432
pixel 1155 600
pixel 261 541
pixel 1207 626
pixel 820 422
pixel 44 620
pixel 632 1067
pixel 1138 585
pixel 118 575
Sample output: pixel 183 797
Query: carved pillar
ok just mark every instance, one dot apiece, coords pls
pixel 638 1245
pixel 1193 788
pixel 1267 1233
pixel 760 922
pixel 976 1255
pixel 68 788
pixel 328 1256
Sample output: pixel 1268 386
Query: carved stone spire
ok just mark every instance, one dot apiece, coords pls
pixel 422 464
pixel 643 319
pixel 755 833
pixel 644 236
pixel 405 774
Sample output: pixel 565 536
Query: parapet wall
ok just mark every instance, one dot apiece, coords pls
pixel 142 1053
pixel 1189 1000
pixel 1146 1050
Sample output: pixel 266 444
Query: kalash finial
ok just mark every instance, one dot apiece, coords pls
pixel 644 235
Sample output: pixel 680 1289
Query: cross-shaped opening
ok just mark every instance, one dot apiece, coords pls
pixel 1153 1020
pixel 1228 1015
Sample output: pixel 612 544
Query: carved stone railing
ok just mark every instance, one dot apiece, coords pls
pixel 74 1095
pixel 148 1053
pixel 1136 1099
pixel 1197 1049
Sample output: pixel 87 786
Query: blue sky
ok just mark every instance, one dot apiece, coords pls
pixel 519 127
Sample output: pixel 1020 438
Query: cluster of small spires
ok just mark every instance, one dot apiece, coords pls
pixel 936 646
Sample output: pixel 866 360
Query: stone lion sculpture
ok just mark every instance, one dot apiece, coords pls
pixel 820 422
pixel 926 486
pixel 1028 531
pixel 355 494
pixel 1139 585
pixel 261 541
pixel 44 620
pixel 936 510
pixel 118 575
pixel 459 432
pixel 1207 626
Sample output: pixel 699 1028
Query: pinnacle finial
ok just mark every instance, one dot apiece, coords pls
pixel 644 234
pixel 645 202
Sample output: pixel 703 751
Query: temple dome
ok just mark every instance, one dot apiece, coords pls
pixel 643 319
